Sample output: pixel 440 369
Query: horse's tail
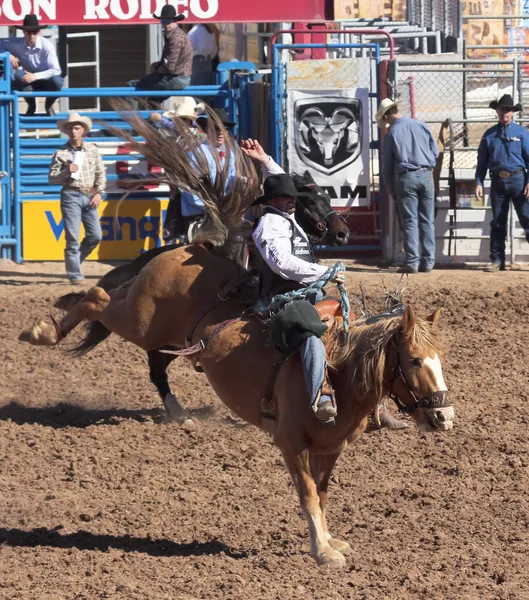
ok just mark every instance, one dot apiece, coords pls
pixel 96 333
pixel 188 161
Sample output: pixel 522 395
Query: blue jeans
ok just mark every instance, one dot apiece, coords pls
pixel 415 194
pixel 158 82
pixel 75 209
pixel 202 71
pixel 502 191
pixel 40 85
pixel 313 358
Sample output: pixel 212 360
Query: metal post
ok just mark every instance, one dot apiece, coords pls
pixel 16 179
pixel 464 99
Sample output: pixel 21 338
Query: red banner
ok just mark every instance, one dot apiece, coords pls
pixel 132 12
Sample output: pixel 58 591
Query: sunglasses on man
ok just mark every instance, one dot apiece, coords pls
pixel 31 32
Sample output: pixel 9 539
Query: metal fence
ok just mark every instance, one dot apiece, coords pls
pixel 28 143
pixel 461 91
pixel 364 222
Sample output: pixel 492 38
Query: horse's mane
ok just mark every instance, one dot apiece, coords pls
pixel 181 155
pixel 362 357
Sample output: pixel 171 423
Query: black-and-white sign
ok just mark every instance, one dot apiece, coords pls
pixel 328 136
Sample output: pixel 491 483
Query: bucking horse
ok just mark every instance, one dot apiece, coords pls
pixel 195 299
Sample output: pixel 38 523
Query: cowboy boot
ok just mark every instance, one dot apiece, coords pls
pixel 325 405
pixel 381 417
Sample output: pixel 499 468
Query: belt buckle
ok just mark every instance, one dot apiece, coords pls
pixel 503 174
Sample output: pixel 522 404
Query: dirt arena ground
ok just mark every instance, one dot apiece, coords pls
pixel 99 499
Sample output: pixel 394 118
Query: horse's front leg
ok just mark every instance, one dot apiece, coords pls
pixel 322 466
pixel 298 463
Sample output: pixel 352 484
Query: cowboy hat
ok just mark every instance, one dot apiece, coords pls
pixel 186 108
pixel 168 13
pixel 278 186
pixel 74 117
pixel 31 23
pixel 505 101
pixel 222 115
pixel 385 105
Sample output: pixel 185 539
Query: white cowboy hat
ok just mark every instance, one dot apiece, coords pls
pixel 385 105
pixel 186 107
pixel 74 117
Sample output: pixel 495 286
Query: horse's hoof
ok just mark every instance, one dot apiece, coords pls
pixel 331 559
pixel 41 334
pixel 173 409
pixel 188 425
pixel 340 546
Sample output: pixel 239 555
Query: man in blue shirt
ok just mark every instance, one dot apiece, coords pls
pixel 34 62
pixel 409 155
pixel 192 205
pixel 504 150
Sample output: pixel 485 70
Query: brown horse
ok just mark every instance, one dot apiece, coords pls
pixel 399 356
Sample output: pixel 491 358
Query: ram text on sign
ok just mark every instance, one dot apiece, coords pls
pixel 137 227
pixel 130 12
pixel 328 135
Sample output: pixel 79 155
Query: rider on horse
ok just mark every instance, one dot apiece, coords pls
pixel 289 264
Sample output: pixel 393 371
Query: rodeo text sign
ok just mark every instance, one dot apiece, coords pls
pixel 129 12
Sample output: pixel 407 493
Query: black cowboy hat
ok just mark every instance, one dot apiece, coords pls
pixel 168 13
pixel 31 23
pixel 222 115
pixel 278 186
pixel 505 101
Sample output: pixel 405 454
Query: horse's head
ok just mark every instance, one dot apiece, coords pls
pixel 315 214
pixel 415 376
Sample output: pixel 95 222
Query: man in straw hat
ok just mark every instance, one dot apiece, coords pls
pixel 79 168
pixel 409 155
pixel 173 70
pixel 35 63
pixel 504 151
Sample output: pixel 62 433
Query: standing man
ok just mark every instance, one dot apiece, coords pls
pixel 408 157
pixel 79 168
pixel 173 70
pixel 205 49
pixel 504 150
pixel 34 62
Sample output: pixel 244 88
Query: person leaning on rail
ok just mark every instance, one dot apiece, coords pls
pixel 173 70
pixel 409 154
pixel 79 168
pixel 504 151
pixel 34 62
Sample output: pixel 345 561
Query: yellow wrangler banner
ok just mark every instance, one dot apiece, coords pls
pixel 137 227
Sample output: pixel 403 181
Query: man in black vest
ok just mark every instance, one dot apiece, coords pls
pixel 286 262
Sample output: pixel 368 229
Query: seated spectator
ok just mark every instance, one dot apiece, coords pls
pixel 173 70
pixel 35 63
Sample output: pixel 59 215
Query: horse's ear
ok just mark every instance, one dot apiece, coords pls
pixel 433 319
pixel 408 321
pixel 308 177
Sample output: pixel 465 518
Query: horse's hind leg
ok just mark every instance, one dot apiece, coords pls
pixel 158 363
pixel 46 334
pixel 298 464
pixel 322 466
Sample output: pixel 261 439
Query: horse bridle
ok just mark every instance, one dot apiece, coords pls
pixel 434 400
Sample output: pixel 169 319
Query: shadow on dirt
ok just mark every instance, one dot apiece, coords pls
pixel 83 540
pixel 72 415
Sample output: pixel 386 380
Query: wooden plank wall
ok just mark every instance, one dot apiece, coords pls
pixel 369 9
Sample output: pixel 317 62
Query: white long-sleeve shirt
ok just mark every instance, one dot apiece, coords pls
pixel 273 240
pixel 204 43
pixel 271 168
pixel 42 60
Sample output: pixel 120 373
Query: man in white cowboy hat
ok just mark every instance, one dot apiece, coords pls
pixel 504 151
pixel 409 154
pixel 79 168
pixel 34 62
pixel 173 70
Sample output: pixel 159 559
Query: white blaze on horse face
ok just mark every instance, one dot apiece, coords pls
pixel 434 364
